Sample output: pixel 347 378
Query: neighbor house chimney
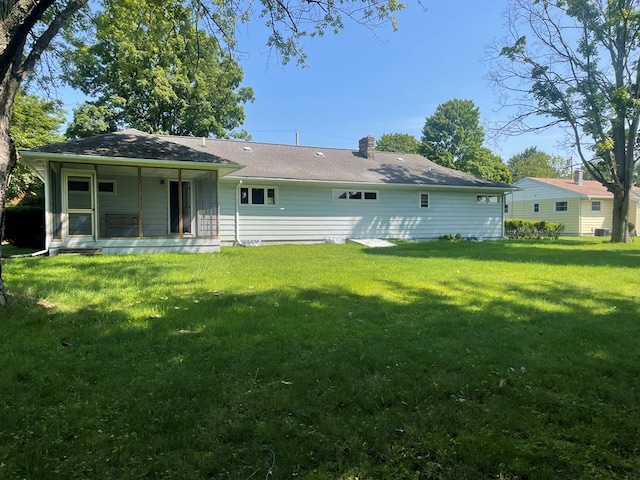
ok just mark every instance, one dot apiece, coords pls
pixel 577 177
pixel 366 146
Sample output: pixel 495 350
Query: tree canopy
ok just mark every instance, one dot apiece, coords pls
pixel 398 143
pixel 575 63
pixel 35 121
pixel 156 70
pixel 535 163
pixel 453 137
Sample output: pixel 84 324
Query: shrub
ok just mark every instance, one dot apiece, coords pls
pixel 450 237
pixel 24 226
pixel 517 228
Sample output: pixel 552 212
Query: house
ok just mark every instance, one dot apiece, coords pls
pixel 584 207
pixel 130 192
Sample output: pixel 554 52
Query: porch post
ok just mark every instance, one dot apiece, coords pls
pixel 180 219
pixel 140 234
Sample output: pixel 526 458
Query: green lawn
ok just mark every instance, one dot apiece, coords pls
pixel 505 360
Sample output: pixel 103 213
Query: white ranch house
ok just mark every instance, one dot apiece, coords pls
pixel 129 192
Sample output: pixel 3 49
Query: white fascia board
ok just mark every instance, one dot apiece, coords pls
pixel 337 183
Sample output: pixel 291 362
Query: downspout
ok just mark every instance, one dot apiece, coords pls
pixel 237 222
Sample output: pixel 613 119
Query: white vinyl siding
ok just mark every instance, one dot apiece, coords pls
pixel 310 213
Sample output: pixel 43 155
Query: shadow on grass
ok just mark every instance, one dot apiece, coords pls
pixel 555 252
pixel 324 383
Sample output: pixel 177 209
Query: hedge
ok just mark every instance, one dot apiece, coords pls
pixel 24 226
pixel 516 228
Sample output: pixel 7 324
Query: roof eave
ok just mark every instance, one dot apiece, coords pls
pixel 132 162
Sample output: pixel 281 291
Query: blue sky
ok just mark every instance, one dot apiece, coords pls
pixel 361 82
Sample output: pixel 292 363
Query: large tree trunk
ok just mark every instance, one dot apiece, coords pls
pixel 620 222
pixel 8 157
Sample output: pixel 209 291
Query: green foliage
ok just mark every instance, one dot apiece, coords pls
pixel 153 68
pixel 485 164
pixel 521 229
pixel 451 360
pixel 577 66
pixel 453 137
pixel 535 163
pixel 453 134
pixel 398 143
pixel 35 122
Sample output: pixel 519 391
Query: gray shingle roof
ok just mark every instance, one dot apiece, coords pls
pixel 290 162
pixel 273 161
pixel 131 144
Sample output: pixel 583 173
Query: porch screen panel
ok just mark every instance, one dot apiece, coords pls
pixel 155 200
pixel 206 202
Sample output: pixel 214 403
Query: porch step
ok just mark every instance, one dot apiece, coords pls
pixel 80 251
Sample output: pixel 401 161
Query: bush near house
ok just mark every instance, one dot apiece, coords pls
pixel 24 226
pixel 520 229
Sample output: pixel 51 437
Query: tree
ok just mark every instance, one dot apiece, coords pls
pixel 154 69
pixel 453 137
pixel 535 163
pixel 398 143
pixel 35 121
pixel 575 63
pixel 28 28
pixel 453 133
pixel 486 164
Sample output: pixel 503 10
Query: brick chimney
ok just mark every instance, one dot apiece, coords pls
pixel 366 146
pixel 577 177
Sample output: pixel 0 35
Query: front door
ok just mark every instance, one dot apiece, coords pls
pixel 180 207
pixel 80 205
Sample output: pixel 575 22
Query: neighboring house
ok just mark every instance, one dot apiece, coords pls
pixel 129 192
pixel 584 207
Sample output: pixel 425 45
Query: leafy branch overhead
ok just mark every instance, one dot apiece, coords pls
pixel 574 63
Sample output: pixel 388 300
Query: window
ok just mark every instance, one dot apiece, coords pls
pixel 107 187
pixel 487 199
pixel 536 208
pixel 354 195
pixel 424 200
pixel 562 206
pixel 506 208
pixel 257 196
pixel 596 206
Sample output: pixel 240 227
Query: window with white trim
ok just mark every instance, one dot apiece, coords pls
pixel 424 200
pixel 107 187
pixel 258 196
pixel 536 208
pixel 596 206
pixel 341 195
pixel 487 199
pixel 562 206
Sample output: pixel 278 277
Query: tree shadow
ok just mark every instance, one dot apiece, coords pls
pixel 326 383
pixel 555 252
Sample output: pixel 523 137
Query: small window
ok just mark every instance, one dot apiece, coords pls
pixel 487 199
pixel 340 195
pixel 370 195
pixel 506 208
pixel 258 196
pixel 562 206
pixel 536 208
pixel 424 200
pixel 107 187
pixel 596 206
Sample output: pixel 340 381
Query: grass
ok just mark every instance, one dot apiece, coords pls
pixel 511 360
